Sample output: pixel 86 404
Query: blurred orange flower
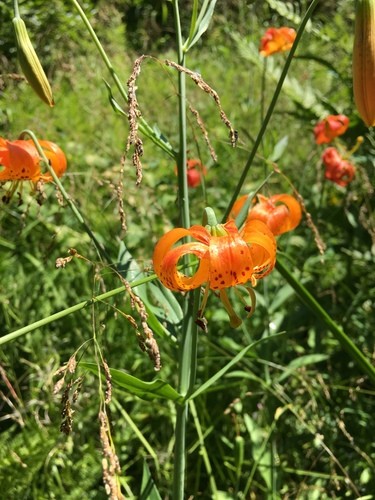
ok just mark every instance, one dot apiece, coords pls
pixel 276 40
pixel 20 161
pixel 227 257
pixel 194 172
pixel 337 169
pixel 329 128
pixel 281 212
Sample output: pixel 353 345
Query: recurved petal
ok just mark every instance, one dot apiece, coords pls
pixel 166 258
pixel 165 243
pixel 262 245
pixel 56 158
pixel 294 208
pixel 173 279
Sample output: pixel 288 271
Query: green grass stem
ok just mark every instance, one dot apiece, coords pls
pixel 70 310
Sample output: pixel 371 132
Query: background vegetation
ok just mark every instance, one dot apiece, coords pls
pixel 293 419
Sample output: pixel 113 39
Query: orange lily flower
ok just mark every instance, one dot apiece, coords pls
pixel 21 161
pixel 337 169
pixel 276 40
pixel 329 128
pixel 281 212
pixel 227 257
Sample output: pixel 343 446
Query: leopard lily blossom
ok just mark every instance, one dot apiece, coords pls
pixel 20 161
pixel 277 40
pixel 281 212
pixel 226 257
pixel 331 127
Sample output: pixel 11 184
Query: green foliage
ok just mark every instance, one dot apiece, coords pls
pixel 281 410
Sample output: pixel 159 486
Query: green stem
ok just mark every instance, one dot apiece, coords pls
pixel 338 332
pixel 100 249
pixel 187 371
pixel 271 107
pixel 188 342
pixel 70 310
pixel 16 9
pixel 144 127
pixel 183 195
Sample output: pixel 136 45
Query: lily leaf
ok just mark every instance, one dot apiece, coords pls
pixel 157 388
pixel 296 363
pixel 279 149
pixel 201 24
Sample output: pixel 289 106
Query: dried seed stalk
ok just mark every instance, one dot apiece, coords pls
pixel 146 338
pixel 204 132
pixel 133 115
pixel 110 462
pixel 198 80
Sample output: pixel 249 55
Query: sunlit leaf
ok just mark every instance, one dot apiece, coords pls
pixel 157 388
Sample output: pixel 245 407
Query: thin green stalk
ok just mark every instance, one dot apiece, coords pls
pixel 203 449
pixel 16 9
pixel 318 310
pixel 100 249
pixel 144 127
pixel 189 333
pixel 183 196
pixel 70 310
pixel 271 107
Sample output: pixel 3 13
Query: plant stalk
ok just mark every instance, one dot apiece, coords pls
pixel 188 341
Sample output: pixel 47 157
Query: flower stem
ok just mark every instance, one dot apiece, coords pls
pixel 271 107
pixel 70 310
pixel 183 196
pixel 318 310
pixel 189 334
pixel 16 9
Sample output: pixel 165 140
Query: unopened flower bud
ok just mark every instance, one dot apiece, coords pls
pixel 364 60
pixel 30 64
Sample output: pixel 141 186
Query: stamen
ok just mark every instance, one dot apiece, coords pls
pixel 358 143
pixel 234 320
pixel 248 308
pixel 201 320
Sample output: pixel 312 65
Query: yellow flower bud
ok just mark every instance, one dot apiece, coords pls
pixel 364 60
pixel 30 64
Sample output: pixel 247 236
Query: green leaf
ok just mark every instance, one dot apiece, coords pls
pixel 201 24
pixel 279 149
pixel 157 388
pixel 148 488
